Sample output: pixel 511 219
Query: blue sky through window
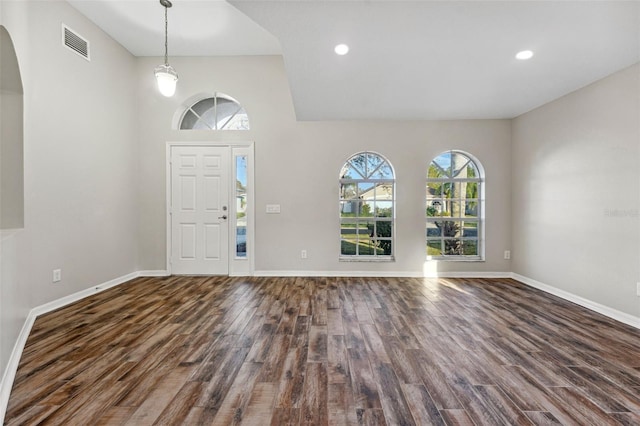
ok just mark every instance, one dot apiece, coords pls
pixel 444 161
pixel 241 169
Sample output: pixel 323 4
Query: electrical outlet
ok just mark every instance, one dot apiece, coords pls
pixel 507 254
pixel 57 275
pixel 303 254
pixel 638 289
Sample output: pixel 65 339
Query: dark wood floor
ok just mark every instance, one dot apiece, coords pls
pixel 317 351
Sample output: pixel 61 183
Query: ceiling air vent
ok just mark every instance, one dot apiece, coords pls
pixel 75 42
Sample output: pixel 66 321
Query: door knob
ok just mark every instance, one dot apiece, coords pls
pixel 223 217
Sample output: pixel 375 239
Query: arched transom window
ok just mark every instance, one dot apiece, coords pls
pixel 453 208
pixel 367 208
pixel 218 112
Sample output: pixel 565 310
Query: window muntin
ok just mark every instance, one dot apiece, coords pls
pixel 453 208
pixel 219 112
pixel 367 208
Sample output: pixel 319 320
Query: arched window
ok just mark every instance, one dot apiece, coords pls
pixel 217 112
pixel 367 208
pixel 454 207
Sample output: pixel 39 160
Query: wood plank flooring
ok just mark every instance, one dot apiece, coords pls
pixel 326 351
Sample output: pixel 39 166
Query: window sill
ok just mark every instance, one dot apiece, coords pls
pixel 372 259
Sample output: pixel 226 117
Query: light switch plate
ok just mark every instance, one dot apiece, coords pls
pixel 273 208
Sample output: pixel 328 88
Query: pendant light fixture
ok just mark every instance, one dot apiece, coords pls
pixel 166 76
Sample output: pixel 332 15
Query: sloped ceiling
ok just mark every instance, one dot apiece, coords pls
pixel 408 59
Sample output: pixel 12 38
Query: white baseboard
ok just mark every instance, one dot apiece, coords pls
pixel 578 300
pixel 383 274
pixel 12 366
pixel 154 273
pixel 59 303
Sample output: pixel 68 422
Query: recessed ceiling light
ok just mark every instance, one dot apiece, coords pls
pixel 524 55
pixel 341 49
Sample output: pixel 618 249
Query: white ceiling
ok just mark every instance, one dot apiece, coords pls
pixel 196 27
pixel 408 59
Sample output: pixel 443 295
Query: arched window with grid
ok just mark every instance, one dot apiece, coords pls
pixel 367 208
pixel 454 207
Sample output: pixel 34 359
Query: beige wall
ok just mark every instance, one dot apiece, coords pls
pixel 298 163
pixel 576 192
pixel 80 172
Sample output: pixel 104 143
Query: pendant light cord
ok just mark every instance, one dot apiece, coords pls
pixel 166 37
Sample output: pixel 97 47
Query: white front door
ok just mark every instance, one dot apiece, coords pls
pixel 199 210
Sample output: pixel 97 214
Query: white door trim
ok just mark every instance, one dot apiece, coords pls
pixel 237 266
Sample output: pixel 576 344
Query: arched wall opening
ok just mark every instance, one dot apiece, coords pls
pixel 11 136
